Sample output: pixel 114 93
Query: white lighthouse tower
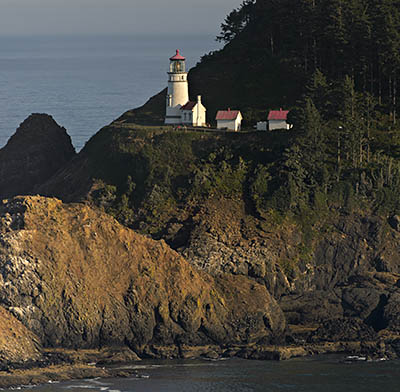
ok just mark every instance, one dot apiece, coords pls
pixel 178 89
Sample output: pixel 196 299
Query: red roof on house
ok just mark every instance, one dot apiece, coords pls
pixel 178 56
pixel 189 106
pixel 278 114
pixel 227 114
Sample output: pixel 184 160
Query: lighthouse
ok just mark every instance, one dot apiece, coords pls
pixel 179 109
pixel 178 89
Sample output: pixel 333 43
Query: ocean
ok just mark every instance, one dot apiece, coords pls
pixel 85 82
pixel 318 374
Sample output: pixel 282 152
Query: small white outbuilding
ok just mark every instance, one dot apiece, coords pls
pixel 229 119
pixel 277 119
pixel 262 126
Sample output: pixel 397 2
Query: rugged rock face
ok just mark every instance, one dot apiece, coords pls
pixel 17 343
pixel 347 284
pixel 34 153
pixel 354 272
pixel 225 239
pixel 76 277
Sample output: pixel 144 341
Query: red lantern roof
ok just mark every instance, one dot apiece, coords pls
pixel 278 114
pixel 178 56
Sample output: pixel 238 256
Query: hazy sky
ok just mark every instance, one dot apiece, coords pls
pixel 113 16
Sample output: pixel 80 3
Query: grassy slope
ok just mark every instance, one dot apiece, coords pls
pixel 151 113
pixel 147 177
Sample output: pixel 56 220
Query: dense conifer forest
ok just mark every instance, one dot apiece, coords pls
pixel 336 64
pixel 359 39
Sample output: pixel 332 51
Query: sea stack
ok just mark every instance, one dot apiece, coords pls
pixel 37 150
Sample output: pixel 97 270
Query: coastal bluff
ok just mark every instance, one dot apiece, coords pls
pixel 76 278
pixel 336 278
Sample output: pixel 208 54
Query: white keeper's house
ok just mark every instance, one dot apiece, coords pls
pixel 229 119
pixel 179 110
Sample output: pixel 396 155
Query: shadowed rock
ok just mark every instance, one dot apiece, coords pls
pixel 34 153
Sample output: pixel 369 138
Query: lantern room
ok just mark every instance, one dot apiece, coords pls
pixel 177 64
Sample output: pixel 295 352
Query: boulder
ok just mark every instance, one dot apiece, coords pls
pixel 391 312
pixel 343 330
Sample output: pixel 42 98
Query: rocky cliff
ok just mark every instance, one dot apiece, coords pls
pixel 77 278
pixel 34 153
pixel 345 286
pixel 335 279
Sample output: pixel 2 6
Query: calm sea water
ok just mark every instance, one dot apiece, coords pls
pixel 85 82
pixel 323 374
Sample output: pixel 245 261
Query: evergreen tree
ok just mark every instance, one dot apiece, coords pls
pixel 236 21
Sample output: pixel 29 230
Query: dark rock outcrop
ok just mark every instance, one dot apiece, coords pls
pixel 349 276
pixel 394 222
pixel 38 149
pixel 391 312
pixel 342 330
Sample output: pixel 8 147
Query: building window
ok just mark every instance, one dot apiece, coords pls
pixel 177 66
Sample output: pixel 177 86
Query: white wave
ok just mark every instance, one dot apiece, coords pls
pixel 97 382
pixel 141 367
